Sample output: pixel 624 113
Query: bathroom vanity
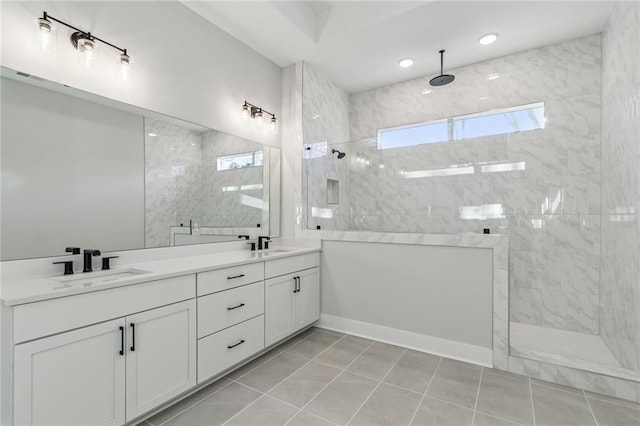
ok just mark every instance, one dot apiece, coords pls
pixel 109 347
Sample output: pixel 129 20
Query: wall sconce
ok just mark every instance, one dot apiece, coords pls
pixel 257 113
pixel 84 42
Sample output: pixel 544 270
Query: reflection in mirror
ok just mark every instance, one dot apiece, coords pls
pixel 198 180
pixel 81 170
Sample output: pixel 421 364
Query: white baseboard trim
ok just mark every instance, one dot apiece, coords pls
pixel 408 339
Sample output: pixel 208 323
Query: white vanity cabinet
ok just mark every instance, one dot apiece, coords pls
pixel 111 372
pixel 230 317
pixel 111 356
pixel 160 355
pixel 292 295
pixel 74 378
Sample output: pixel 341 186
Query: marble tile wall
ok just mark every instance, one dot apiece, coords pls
pixel 182 182
pixel 232 198
pixel 173 179
pixel 325 121
pixel 620 260
pixel 550 208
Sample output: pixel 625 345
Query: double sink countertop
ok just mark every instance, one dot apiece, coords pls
pixel 38 288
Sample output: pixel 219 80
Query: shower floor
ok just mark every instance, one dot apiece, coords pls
pixel 566 348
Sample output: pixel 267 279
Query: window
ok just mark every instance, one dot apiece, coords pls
pixel 497 122
pixel 240 161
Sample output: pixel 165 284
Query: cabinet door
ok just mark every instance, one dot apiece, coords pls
pixel 279 315
pixel 73 378
pixel 308 298
pixel 161 356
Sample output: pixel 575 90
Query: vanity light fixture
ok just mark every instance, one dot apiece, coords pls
pixel 257 113
pixel 83 41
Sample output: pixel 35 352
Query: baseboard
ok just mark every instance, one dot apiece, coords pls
pixel 419 342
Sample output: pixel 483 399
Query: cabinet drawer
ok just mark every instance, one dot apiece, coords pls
pixel 226 308
pixel 38 319
pixel 223 279
pixel 221 350
pixel 277 267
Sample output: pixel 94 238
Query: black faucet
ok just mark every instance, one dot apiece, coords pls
pixel 266 242
pixel 88 253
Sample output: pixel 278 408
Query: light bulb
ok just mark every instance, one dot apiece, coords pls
pixel 273 125
pixel 245 113
pixel 45 34
pixel 87 50
pixel 125 67
pixel 258 118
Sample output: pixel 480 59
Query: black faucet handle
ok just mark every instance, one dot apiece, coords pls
pixel 246 237
pixel 68 266
pixel 105 262
pixel 253 245
pixel 73 250
pixel 266 244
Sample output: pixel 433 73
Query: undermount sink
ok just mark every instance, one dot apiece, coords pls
pixel 101 277
pixel 275 251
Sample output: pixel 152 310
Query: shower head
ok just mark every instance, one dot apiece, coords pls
pixel 341 155
pixel 443 78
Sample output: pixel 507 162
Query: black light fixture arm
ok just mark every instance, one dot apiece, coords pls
pixel 255 108
pixel 47 17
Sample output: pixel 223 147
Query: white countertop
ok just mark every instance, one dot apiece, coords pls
pixel 34 289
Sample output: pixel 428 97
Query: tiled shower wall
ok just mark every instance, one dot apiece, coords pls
pixel 620 261
pixel 182 182
pixel 325 110
pixel 551 209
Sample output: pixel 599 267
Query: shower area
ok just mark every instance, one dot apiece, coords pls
pixel 541 145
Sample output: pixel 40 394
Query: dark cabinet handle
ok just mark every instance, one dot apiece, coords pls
pixel 121 340
pixel 133 337
pixel 233 346
pixel 298 284
pixel 235 276
pixel 231 308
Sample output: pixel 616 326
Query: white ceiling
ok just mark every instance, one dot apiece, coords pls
pixel 357 44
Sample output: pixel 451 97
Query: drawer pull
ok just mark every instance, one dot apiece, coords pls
pixel 235 276
pixel 231 308
pixel 233 346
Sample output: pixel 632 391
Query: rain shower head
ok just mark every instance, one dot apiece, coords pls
pixel 443 78
pixel 341 155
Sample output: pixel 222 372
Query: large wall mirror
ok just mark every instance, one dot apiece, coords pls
pixel 81 170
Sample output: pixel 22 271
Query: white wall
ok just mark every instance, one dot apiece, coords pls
pixel 183 66
pixel 71 174
pixel 436 291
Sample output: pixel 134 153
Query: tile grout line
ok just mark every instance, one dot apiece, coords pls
pixel 192 405
pixel 344 369
pixel 276 348
pixel 590 409
pixel 424 395
pixel 533 409
pixel 368 377
pixel 278 384
pixel 376 387
pixel 475 406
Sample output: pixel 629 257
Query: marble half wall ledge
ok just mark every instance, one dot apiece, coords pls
pixel 499 243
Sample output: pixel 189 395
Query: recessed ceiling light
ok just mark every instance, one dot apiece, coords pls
pixel 405 63
pixel 425 92
pixel 488 38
